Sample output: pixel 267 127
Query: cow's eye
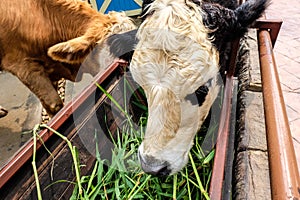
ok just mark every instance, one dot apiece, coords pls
pixel 198 97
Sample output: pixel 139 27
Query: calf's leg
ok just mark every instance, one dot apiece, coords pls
pixel 32 74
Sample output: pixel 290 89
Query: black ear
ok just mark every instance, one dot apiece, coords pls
pixel 249 11
pixel 228 24
pixel 122 45
pixel 231 4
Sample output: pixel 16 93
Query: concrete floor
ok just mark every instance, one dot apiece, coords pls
pixel 287 53
pixel 24 111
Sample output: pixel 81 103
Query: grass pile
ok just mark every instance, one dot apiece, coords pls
pixel 122 177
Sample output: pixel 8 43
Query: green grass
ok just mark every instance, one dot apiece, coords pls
pixel 122 177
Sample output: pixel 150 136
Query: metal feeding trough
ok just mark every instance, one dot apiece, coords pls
pixel 76 121
pixel 284 174
pixel 78 118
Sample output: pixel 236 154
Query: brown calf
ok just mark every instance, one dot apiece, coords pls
pixel 42 41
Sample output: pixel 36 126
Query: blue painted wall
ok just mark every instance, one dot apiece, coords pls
pixel 119 5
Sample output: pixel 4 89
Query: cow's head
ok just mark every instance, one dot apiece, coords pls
pixel 172 59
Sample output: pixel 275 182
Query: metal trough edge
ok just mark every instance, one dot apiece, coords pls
pixel 216 184
pixel 25 153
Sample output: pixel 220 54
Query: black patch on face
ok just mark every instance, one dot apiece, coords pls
pixel 198 97
pixel 122 45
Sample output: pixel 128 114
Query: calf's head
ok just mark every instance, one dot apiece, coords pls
pixel 75 50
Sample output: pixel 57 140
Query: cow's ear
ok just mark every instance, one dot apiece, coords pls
pixel 72 51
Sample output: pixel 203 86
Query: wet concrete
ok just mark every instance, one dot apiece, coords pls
pixel 24 111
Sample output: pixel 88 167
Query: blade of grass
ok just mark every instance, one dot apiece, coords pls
pixel 36 176
pixel 203 191
pixel 115 102
pixel 92 176
pixel 208 178
pixel 73 153
pixel 130 196
pixel 188 183
pixel 209 157
pixel 75 193
pixel 174 186
pixel 52 165
pixel 59 181
pixel 117 190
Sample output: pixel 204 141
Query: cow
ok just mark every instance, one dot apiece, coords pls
pixel 176 60
pixel 42 41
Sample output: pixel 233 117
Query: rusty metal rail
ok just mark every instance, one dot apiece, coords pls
pixel 216 184
pixel 284 174
pixel 23 156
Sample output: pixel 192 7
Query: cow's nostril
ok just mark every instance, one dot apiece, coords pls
pixel 157 170
pixel 153 166
pixel 164 171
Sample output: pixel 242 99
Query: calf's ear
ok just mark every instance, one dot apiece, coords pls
pixel 73 51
